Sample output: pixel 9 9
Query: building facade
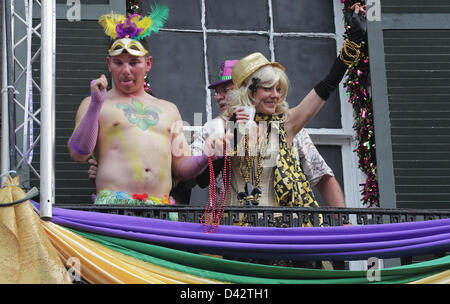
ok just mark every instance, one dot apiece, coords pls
pixel 305 37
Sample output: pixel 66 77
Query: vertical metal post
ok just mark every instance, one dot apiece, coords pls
pixel 27 138
pixel 10 83
pixel 5 127
pixel 47 155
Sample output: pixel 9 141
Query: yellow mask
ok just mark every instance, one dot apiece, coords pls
pixel 133 47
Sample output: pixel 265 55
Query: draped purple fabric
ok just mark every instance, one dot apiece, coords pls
pixel 304 243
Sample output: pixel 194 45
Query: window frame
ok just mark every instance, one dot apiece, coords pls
pixel 343 137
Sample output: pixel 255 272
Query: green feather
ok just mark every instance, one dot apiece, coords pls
pixel 159 15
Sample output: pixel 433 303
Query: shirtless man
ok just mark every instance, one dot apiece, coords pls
pixel 137 138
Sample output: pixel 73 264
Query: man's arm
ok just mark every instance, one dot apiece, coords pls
pixel 74 154
pixel 184 166
pixel 331 191
pixel 317 170
pixel 84 138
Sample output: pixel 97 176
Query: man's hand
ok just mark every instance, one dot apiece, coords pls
pixel 98 89
pixel 92 171
pixel 214 145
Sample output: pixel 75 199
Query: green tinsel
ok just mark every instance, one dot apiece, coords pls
pixel 134 7
pixel 357 85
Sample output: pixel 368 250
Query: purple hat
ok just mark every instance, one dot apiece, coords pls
pixel 224 73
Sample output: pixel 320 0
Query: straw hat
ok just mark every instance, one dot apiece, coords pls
pixel 248 65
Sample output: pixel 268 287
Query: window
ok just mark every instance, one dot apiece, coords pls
pixel 304 37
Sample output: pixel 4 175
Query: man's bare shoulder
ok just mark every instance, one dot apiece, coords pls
pixel 167 105
pixel 161 101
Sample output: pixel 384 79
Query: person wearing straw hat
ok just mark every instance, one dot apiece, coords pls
pixel 314 166
pixel 137 138
pixel 272 176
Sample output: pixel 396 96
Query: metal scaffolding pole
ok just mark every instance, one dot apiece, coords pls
pixel 47 155
pixel 10 83
pixel 5 129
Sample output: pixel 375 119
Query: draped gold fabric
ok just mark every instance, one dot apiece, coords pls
pixel 439 278
pixel 101 265
pixel 26 254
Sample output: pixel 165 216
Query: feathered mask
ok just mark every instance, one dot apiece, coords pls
pixel 129 30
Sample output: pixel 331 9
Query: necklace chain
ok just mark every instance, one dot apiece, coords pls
pixel 246 162
pixel 215 207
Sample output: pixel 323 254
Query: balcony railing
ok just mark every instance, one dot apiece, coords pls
pixel 275 216
pixel 279 217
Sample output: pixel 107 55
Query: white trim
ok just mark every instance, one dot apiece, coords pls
pixel 249 32
pixel 5 127
pixel 271 44
pixel 205 60
pixel 353 176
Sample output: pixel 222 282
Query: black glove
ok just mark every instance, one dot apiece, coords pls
pixel 332 80
pixel 356 34
pixel 358 26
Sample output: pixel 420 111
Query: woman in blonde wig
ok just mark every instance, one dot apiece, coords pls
pixel 268 75
pixel 265 170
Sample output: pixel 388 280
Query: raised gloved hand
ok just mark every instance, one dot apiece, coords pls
pixel 357 22
pixel 84 138
pixel 98 90
pixel 349 52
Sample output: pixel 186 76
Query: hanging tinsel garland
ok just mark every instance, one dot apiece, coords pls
pixel 358 84
pixel 134 7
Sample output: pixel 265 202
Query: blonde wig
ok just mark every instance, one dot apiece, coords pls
pixel 269 76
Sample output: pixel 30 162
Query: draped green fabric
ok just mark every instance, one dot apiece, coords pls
pixel 250 273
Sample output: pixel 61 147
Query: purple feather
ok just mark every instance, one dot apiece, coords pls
pixel 127 29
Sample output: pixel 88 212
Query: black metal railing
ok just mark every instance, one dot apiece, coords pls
pixel 274 216
pixel 281 217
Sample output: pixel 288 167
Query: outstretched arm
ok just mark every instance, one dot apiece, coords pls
pixel 84 138
pixel 192 166
pixel 300 115
pixel 185 166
